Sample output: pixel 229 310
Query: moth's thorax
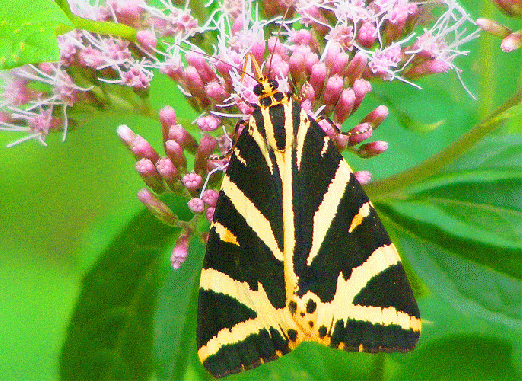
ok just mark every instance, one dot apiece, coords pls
pixel 268 93
pixel 277 124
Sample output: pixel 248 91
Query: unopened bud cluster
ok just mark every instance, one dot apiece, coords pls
pixel 168 171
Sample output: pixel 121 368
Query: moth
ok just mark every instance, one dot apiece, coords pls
pixel 296 251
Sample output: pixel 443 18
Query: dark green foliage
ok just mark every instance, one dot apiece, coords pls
pixel 110 335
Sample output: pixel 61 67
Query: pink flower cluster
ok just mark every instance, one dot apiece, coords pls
pixel 327 52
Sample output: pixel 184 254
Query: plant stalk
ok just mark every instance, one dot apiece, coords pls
pixel 394 185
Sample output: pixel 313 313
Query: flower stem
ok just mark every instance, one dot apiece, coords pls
pixel 396 184
pixel 108 28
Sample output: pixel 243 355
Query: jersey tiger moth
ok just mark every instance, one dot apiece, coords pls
pixel 296 251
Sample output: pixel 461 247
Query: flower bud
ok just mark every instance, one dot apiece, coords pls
pixel 137 78
pixel 341 141
pixel 215 91
pixel 279 67
pixel 224 68
pixel 168 172
pixel 238 24
pixel 361 87
pixel 427 67
pixel 336 60
pixel 297 66
pixel 210 213
pixel 310 60
pixel 180 251
pixel 210 197
pixel 334 87
pixel 147 39
pixel 356 67
pixel 367 34
pixel 142 149
pixel 494 28
pixel 183 138
pixel 167 117
pixel 208 123
pixel 360 133
pixel 372 149
pixel 258 50
pixel 196 205
pixel 510 7
pixel 328 128
pixel 344 106
pixel 512 42
pixel 363 177
pixel 149 175
pixel 176 154
pixel 192 181
pixel 198 61
pixel 173 68
pixel 306 105
pixel 308 92
pixel 194 83
pixel 303 37
pixel 318 77
pixel 126 135
pixel 157 207
pixel 376 117
pixel 205 149
pixel 276 47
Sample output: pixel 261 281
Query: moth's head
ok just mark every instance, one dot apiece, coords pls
pixel 265 87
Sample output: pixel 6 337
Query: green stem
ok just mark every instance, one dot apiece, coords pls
pixel 396 184
pixel 107 28
pixel 136 106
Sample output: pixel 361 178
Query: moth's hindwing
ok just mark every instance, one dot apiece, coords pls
pixel 297 253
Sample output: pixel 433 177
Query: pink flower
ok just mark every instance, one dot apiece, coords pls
pixel 192 181
pixel 196 205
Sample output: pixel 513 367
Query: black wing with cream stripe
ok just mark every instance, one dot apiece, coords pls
pixel 241 297
pixel 297 253
pixel 344 260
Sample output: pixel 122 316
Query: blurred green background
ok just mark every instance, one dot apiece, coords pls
pixel 60 205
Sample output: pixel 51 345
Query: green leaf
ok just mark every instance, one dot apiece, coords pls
pixel 464 357
pixel 110 333
pixel 462 233
pixel 28 32
pixel 175 318
pixel 474 209
pixel 471 308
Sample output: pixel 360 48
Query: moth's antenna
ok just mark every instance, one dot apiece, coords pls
pixel 276 41
pixel 249 57
pixel 243 71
